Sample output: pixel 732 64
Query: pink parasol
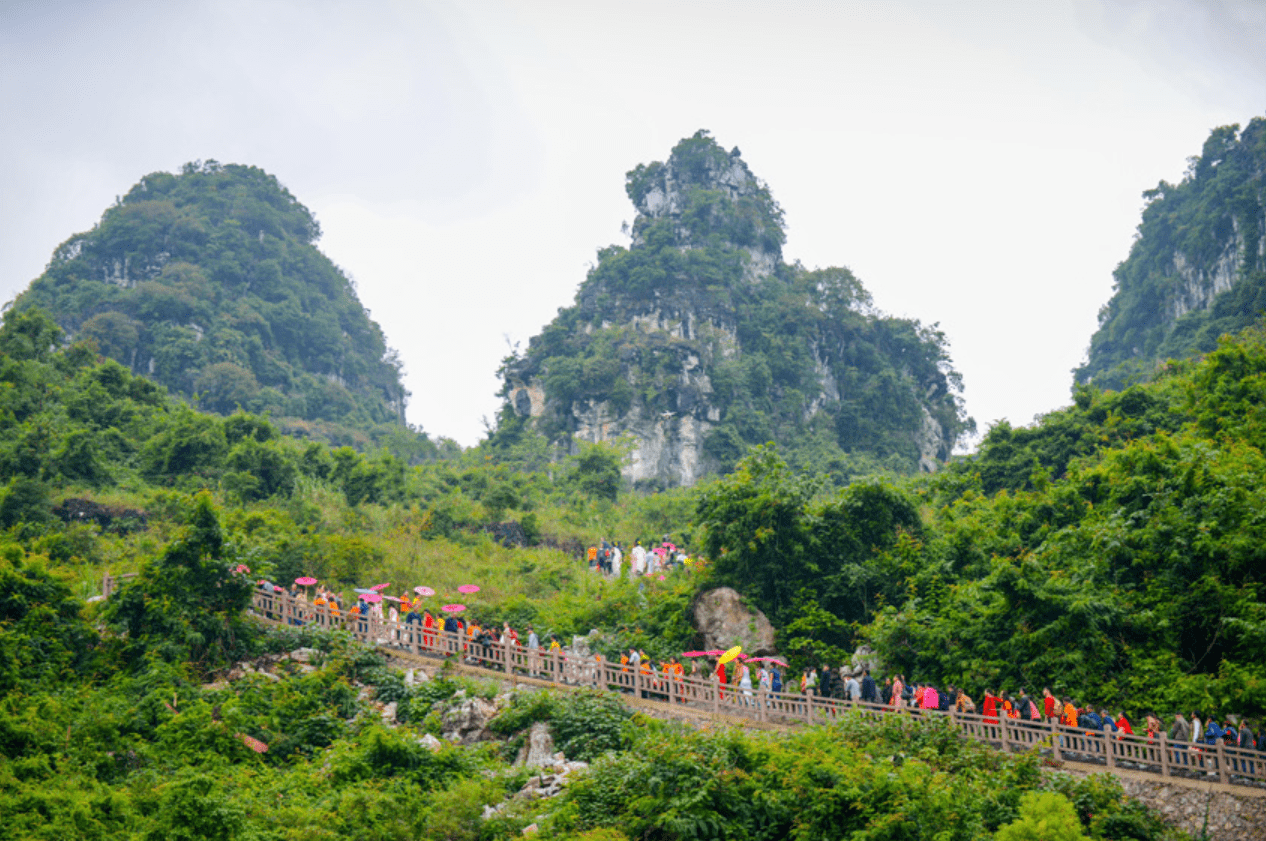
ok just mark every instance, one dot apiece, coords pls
pixel 371 597
pixel 773 660
pixel 380 587
pixel 306 581
pixel 424 591
pixel 453 608
pixel 391 598
pixel 694 654
pixel 712 653
pixel 468 588
pixel 661 578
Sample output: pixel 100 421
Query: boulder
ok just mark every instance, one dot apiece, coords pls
pixel 389 713
pixel 863 658
pixel 303 655
pixel 430 743
pixel 538 750
pixel 724 621
pixel 467 722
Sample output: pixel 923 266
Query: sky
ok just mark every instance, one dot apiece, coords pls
pixel 978 166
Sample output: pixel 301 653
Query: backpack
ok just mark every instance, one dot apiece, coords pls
pixel 775 681
pixel 1033 713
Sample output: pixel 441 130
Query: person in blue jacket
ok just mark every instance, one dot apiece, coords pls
pixel 1213 732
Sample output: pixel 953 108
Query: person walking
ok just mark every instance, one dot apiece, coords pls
pixel 870 692
pixel 1180 736
pixel 898 692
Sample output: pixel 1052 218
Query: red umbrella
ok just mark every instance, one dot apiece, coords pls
pixel 424 591
pixel 468 588
pixel 453 608
pixel 371 597
pixel 306 581
pixel 380 587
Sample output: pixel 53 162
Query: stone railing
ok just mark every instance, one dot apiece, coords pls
pixel 1112 750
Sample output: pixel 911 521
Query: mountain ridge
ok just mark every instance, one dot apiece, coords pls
pixel 698 341
pixel 209 282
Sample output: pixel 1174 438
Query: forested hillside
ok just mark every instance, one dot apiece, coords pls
pixel 127 718
pixel 1115 550
pixel 1197 269
pixel 208 282
pixel 698 342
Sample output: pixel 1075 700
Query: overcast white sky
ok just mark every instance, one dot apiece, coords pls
pixel 975 164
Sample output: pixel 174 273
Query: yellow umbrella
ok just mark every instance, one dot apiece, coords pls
pixel 731 654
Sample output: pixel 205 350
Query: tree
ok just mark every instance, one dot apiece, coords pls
pixel 597 471
pixel 1044 816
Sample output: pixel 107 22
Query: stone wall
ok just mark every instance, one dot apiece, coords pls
pixel 1231 816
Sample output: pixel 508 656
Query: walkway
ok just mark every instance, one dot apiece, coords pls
pixel 1220 767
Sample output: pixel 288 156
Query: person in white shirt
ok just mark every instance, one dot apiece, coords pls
pixel 639 560
pixel 616 556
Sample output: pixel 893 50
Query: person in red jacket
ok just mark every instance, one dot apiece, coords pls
pixel 1123 724
pixel 1049 706
pixel 990 708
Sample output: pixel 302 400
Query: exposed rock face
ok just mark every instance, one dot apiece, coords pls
pixel 698 342
pixel 538 750
pixel 1196 269
pixel 723 621
pixel 468 722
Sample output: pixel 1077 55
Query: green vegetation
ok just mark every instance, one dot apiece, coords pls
pixel 209 282
pixel 700 317
pixel 1165 305
pixel 1112 551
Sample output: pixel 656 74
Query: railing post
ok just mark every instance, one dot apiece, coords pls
pixel 762 699
pixel 1055 751
pixel 716 696
pixel 1223 777
pixel 1108 744
pixel 1002 729
pixel 505 642
pixel 1164 752
pixel 808 706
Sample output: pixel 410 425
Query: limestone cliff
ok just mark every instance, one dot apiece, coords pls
pixel 1197 268
pixel 698 341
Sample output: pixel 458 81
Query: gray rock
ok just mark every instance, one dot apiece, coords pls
pixel 303 655
pixel 467 722
pixel 430 742
pixel 538 749
pixel 389 713
pixel 723 621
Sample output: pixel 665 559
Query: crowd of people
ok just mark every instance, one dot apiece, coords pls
pixel 608 558
pixel 408 615
pixel 1196 734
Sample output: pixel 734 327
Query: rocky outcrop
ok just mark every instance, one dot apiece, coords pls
pixel 723 621
pixel 538 748
pixel 467 722
pixel 698 342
